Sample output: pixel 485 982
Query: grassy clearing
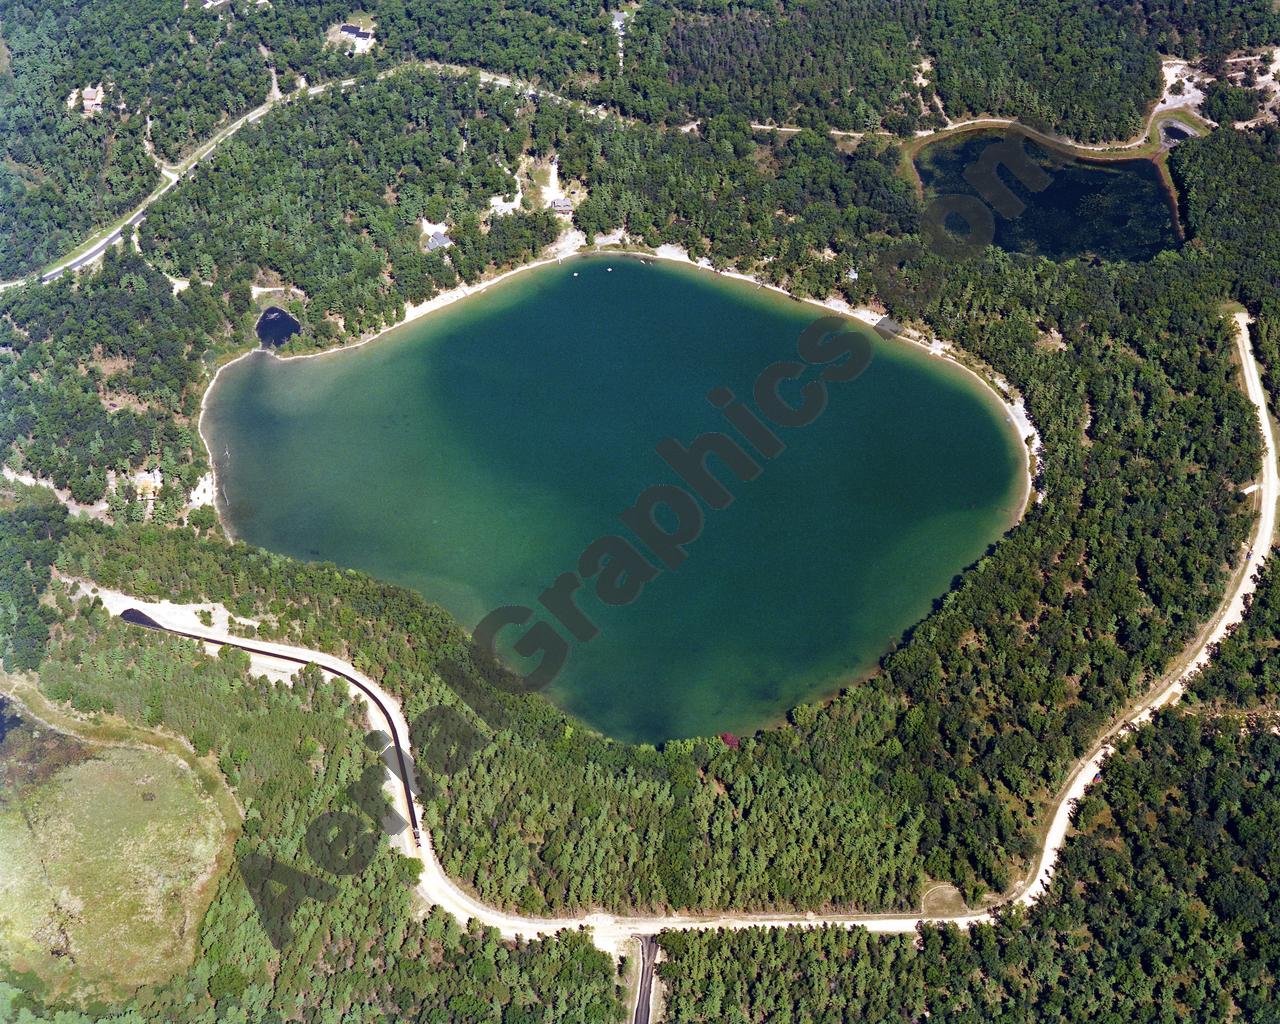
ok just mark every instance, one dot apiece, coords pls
pixel 942 899
pixel 108 866
pixel 111 730
pixel 539 177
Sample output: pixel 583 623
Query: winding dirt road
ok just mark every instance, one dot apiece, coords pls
pixel 612 932
pixel 615 934
pixel 1229 615
pixel 171 175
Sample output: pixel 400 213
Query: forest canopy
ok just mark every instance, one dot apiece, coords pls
pixel 938 768
pixel 962 738
pixel 174 72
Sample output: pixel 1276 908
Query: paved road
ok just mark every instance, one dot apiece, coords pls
pixel 140 618
pixel 66 265
pixel 72 265
pixel 648 961
pixel 612 933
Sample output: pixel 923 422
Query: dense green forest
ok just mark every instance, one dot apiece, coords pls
pixel 179 67
pixel 101 376
pixel 1229 183
pixel 1088 70
pixel 174 72
pixel 170 75
pixel 31 525
pixel 341 218
pixel 1163 909
pixel 61 174
pixel 793 209
pixel 840 63
pixel 954 747
pixel 1226 104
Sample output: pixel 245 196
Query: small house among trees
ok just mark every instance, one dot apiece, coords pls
pixel 91 99
pixel 360 40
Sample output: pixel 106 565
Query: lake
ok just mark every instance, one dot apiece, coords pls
pixel 1114 209
pixel 474 454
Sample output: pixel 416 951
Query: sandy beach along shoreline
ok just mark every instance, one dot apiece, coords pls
pixel 1011 401
pixel 573 242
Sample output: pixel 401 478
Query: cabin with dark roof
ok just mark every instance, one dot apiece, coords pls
pixel 359 39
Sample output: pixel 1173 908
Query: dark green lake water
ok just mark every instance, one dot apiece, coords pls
pixel 474 454
pixel 1118 210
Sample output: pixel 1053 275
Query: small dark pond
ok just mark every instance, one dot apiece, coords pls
pixel 275 327
pixel 1115 209
pixel 8 720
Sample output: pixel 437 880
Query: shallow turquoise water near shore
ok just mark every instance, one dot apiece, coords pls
pixel 474 454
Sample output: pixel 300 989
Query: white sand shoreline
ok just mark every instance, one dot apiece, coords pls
pixel 1010 400
pixel 574 243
